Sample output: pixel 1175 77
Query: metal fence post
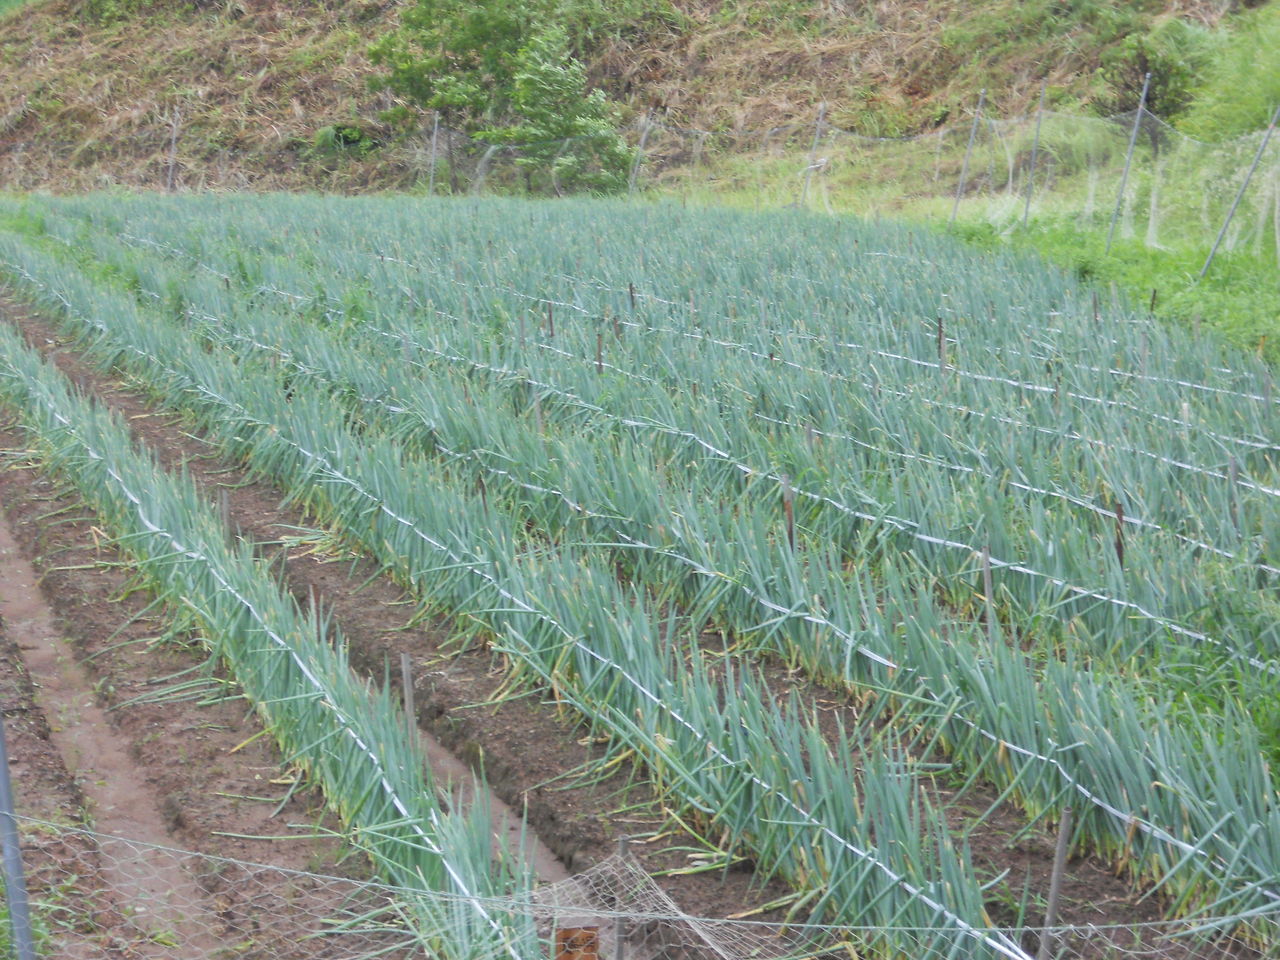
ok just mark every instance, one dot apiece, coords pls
pixel 1035 153
pixel 813 152
pixel 968 152
pixel 639 157
pixel 1128 158
pixel 1266 138
pixel 15 884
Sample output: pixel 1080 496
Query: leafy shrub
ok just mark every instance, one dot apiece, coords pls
pixel 504 71
pixel 566 134
pixel 1241 87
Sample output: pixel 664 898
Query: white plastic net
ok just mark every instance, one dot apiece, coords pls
pixel 96 896
pixel 1177 189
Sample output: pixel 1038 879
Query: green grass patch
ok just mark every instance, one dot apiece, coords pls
pixel 1239 296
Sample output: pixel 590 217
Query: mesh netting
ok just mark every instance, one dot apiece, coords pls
pixel 101 896
pixel 1177 190
pixel 999 170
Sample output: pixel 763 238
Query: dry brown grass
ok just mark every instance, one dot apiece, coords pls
pixel 251 81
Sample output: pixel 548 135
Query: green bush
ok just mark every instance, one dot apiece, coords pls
pixel 1241 87
pixel 1174 53
pixel 566 135
pixel 505 72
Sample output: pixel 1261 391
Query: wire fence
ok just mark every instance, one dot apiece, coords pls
pixel 95 895
pixel 1132 173
pixel 1005 171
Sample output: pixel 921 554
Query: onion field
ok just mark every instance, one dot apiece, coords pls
pixel 646 453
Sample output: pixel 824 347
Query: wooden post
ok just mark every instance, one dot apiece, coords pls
pixel 1055 884
pixel 639 158
pixel 1120 533
pixel 224 515
pixel 410 713
pixel 620 927
pixel 435 135
pixel 813 152
pixel 788 509
pixel 175 118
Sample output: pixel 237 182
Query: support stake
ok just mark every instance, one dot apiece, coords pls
pixel 813 152
pixel 1055 884
pixel 1128 158
pixel 1035 152
pixel 968 152
pixel 410 713
pixel 1266 138
pixel 988 592
pixel 788 508
pixel 435 135
pixel 224 515
pixel 15 883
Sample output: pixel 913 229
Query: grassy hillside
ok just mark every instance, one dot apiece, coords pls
pixel 263 94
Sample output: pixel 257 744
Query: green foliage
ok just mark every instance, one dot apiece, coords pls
pixel 103 12
pixel 505 71
pixel 1240 296
pixel 342 140
pixel 1240 88
pixel 566 134
pixel 1174 53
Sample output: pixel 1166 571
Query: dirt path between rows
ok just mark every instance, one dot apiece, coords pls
pixel 112 784
pixel 95 743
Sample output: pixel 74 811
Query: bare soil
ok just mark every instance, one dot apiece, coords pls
pixel 78 646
